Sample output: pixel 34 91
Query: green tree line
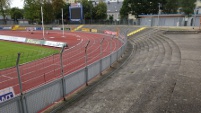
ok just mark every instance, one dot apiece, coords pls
pixel 144 7
pixel 51 10
pixel 92 10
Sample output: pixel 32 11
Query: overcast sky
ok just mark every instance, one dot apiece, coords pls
pixel 17 3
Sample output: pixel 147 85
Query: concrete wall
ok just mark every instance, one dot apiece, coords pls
pixel 169 20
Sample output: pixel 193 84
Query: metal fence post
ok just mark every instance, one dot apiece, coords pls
pixel 86 61
pixel 117 47
pixel 111 50
pixel 22 102
pixel 101 55
pixel 62 73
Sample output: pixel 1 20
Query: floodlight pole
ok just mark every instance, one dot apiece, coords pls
pixel 91 15
pixel 93 4
pixel 62 20
pixel 42 23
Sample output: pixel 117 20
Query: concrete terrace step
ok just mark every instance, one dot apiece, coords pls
pixel 147 53
pixel 161 54
pixel 168 51
pixel 155 51
pixel 138 58
pixel 151 78
pixel 155 80
pixel 176 54
pixel 183 32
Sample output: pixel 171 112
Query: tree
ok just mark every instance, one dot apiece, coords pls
pixel 51 10
pixel 138 7
pixel 4 6
pixel 16 13
pixel 188 6
pixel 171 6
pixel 125 9
pixel 48 13
pixel 66 11
pixel 87 8
pixel 111 17
pixel 57 6
pixel 32 10
pixel 100 11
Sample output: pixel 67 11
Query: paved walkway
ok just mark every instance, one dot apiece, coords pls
pixel 163 75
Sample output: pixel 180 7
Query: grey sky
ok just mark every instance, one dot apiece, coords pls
pixel 17 3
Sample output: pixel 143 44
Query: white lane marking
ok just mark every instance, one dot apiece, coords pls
pixel 7 76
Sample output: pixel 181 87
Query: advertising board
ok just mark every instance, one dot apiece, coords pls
pixel 6 94
pixel 12 38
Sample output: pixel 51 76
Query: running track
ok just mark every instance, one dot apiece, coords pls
pixel 45 70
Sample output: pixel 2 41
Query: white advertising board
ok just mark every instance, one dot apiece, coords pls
pixel 54 44
pixel 12 38
pixel 6 94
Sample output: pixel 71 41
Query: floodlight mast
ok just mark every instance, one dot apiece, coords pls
pixel 62 20
pixel 42 23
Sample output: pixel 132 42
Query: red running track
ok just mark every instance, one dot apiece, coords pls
pixel 45 70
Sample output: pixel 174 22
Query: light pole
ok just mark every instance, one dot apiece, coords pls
pixel 42 23
pixel 91 13
pixel 93 4
pixel 159 5
pixel 62 21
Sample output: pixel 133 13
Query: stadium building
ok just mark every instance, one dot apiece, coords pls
pixel 113 9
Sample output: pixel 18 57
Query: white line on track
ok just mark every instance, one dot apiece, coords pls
pixel 7 77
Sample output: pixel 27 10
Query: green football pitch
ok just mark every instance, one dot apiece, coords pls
pixel 9 52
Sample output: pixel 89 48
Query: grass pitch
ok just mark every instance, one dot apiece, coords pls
pixel 9 52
